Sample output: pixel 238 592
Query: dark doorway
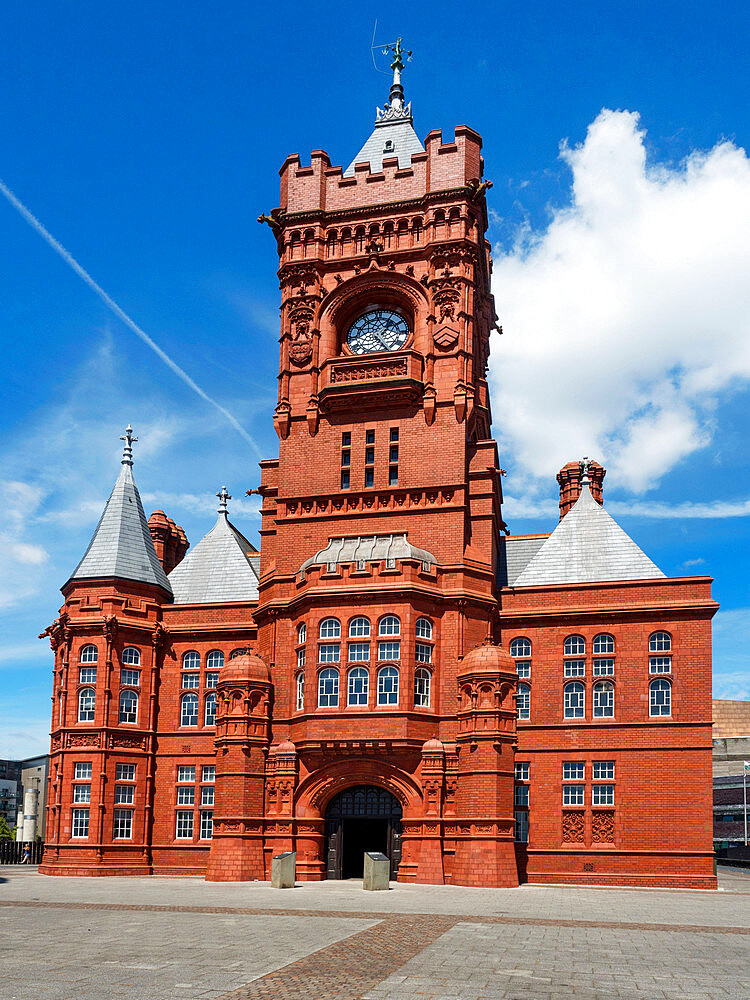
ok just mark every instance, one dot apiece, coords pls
pixel 364 818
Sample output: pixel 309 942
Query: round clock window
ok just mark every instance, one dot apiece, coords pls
pixel 377 330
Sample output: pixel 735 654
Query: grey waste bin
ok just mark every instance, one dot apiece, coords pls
pixel 377 871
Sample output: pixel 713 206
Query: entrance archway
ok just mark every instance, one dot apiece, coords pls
pixel 359 819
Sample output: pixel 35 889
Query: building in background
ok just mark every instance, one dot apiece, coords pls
pixel 10 793
pixel 731 748
pixel 394 670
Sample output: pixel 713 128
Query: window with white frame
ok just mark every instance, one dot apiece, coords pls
pixel 423 628
pixel 80 828
pixel 184 824
pixel 520 648
pixel 301 634
pixel 575 668
pixel 122 824
pixel 130 677
pixel 89 654
pixel 521 770
pixel 523 668
pixel 330 628
pixel 602 795
pixel 604 667
pixel 191 660
pixel 186 773
pixel 389 650
pixel 125 772
pixel 124 794
pixel 86 705
pixel 660 664
pixel 389 625
pixel 603 643
pixel 387 686
pixel 209 772
pixel 603 770
pixel 660 642
pixel 523 701
pixel 359 627
pixel 328 688
pixel 191 681
pixel 185 795
pixel 521 797
pixel 574 645
pixel 573 795
pixel 329 652
pixel 359 651
pixel 422 684
pixel 573 770
pixel 207 824
pixel 301 657
pixel 189 710
pixel 131 656
pixel 82 771
pixel 522 826
pixel 422 653
pixel 660 698
pixel 87 675
pixel 212 679
pixel 81 793
pixel 604 700
pixel 358 685
pixel 210 709
pixel 129 707
pixel 215 660
pixel 300 684
pixel 207 795
pixel 574 700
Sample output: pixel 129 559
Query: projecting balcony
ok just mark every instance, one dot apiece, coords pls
pixel 387 378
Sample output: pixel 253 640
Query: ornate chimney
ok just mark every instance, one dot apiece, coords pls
pixel 569 478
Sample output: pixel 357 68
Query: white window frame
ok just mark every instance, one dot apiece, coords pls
pixel 128 707
pixel 329 628
pixel 577 709
pixel 131 656
pixel 660 664
pixel 215 660
pixel 602 795
pixel 358 652
pixel 574 668
pixel 79 829
pixel 189 720
pixel 186 774
pixel 191 660
pixel 389 624
pixel 523 668
pixel 574 770
pixel 603 770
pixel 389 649
pixel 603 700
pixel 88 654
pixel 208 773
pixel 523 702
pixel 329 652
pixel 521 828
pixel 87 675
pixel 122 824
pixel 574 645
pixel 357 687
pixel 185 795
pixel 130 677
pixel 422 687
pixel 301 658
pixel 424 628
pixel 184 824
pixel 210 706
pixel 388 683
pixel 359 627
pixel 208 796
pixel 207 824
pixel 124 772
pixel 664 702
pixel 422 652
pixel 521 795
pixel 520 648
pixel 604 667
pixel 87 705
pixel 191 681
pixel 328 688
pixel 660 642
pixel 521 770
pixel 81 793
pixel 212 680
pixel 603 644
pixel 124 795
pixel 300 689
pixel 83 770
pixel 574 795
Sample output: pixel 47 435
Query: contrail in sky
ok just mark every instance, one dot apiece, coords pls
pixel 131 324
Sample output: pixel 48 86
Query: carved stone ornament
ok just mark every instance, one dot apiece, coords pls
pixel 83 739
pixel 160 636
pixel 58 631
pixel 603 827
pixel 573 827
pixel 300 349
pixel 445 337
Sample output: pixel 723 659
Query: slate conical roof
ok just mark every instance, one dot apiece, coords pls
pixel 587 546
pixel 122 546
pixel 223 566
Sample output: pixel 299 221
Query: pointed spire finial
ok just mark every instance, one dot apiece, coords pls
pixel 127 451
pixel 395 108
pixel 223 496
pixel 585 463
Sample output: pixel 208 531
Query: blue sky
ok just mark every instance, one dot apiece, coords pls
pixel 147 138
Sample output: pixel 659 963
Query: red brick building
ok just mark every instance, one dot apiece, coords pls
pixel 393 670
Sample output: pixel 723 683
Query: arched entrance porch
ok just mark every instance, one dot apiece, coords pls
pixel 358 819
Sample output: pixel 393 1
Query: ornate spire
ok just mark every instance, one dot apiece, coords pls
pixel 127 451
pixel 395 109
pixel 584 464
pixel 223 496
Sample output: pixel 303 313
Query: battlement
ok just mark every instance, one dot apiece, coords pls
pixel 443 166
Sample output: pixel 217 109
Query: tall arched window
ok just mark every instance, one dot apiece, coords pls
pixel 574 700
pixel 328 688
pixel 660 642
pixel 604 644
pixel 422 685
pixel 604 700
pixel 520 647
pixel 358 686
pixel 189 710
pixel 388 686
pixel 215 660
pixel 131 656
pixel 660 697
pixel 301 634
pixel 86 705
pixel 129 707
pixel 300 683
pixel 359 626
pixel 191 660
pixel 389 625
pixel 330 628
pixel 523 701
pixel 575 645
pixel 210 713
pixel 423 628
pixel 89 654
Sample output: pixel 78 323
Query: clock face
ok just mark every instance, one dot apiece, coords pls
pixel 377 330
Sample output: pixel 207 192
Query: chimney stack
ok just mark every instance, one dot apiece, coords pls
pixel 569 479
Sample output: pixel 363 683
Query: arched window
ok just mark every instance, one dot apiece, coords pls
pixel 402 232
pixel 332 240
pixel 86 705
pixel 358 686
pixel 210 714
pixel 389 625
pixel 660 642
pixel 359 626
pixel 300 682
pixel 388 686
pixel 422 685
pixel 604 643
pixel 660 698
pixel 131 656
pixel 129 707
pixel 240 651
pixel 574 700
pixel 89 654
pixel 604 700
pixel 424 628
pixel 191 660
pixel 520 647
pixel 523 701
pixel 301 634
pixel 575 645
pixel 330 628
pixel 189 710
pixel 328 688
pixel 215 660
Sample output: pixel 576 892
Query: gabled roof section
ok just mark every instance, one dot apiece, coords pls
pixel 122 545
pixel 516 552
pixel 223 566
pixel 587 546
pixel 367 548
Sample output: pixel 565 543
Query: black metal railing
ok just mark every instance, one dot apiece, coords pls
pixel 12 852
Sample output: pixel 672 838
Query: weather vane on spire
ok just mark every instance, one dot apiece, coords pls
pixel 223 496
pixel 395 108
pixel 585 463
pixel 127 451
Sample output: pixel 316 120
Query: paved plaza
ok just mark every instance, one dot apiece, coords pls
pixel 184 939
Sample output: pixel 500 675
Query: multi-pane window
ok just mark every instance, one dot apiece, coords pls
pixel 328 688
pixel 573 770
pixel 87 675
pixel 520 648
pixel 207 824
pixel 604 700
pixel 125 772
pixel 301 657
pixel 573 795
pixel 184 824
pixel 422 683
pixel 81 793
pixel 129 707
pixel 185 795
pixel 215 660
pixel 574 645
pixel 523 668
pixel 422 652
pixel 189 710
pixel 125 794
pixel 209 772
pixel 359 651
pixel 660 642
pixel 89 654
pixel 423 628
pixel 574 700
pixel 604 667
pixel 575 668
pixel 329 652
pixel 393 458
pixel 604 643
pixel 300 683
pixel 80 823
pixel 660 664
pixel 82 771
pixel 131 656
pixel 523 701
pixel 346 459
pixel 389 625
pixel 387 686
pixel 660 698
pixel 359 627
pixel 370 459
pixel 522 826
pixel 389 650
pixel 604 770
pixel 191 660
pixel 122 824
pixel 330 628
pixel 521 770
pixel 358 686
pixel 86 705
pixel 603 795
pixel 191 680
pixel 210 711
pixel 186 772
pixel 130 677
pixel 207 795
pixel 212 679
pixel 521 797
pixel 301 634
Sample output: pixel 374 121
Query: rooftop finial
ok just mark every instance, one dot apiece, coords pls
pixel 395 108
pixel 223 496
pixel 585 463
pixel 127 451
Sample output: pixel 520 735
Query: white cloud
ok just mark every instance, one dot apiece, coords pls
pixel 629 314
